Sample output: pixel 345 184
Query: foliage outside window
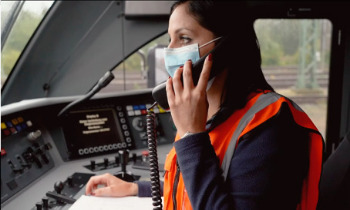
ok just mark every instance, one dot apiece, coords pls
pixel 26 23
pixel 295 61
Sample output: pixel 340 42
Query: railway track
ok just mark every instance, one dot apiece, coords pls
pixel 278 78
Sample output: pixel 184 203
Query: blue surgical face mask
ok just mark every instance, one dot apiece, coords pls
pixel 176 57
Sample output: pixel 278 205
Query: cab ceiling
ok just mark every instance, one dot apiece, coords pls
pixel 75 45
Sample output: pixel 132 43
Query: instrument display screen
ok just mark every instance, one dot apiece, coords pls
pixel 90 132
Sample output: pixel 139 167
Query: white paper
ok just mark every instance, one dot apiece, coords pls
pixel 109 203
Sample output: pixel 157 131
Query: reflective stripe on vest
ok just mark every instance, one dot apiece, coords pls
pixel 225 137
pixel 262 102
pixel 310 189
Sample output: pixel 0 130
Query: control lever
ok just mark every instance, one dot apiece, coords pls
pixel 34 135
pixel 106 162
pixel 30 157
pixel 23 163
pixel 36 160
pixel 117 161
pixel 45 158
pixel 134 157
pixel 123 174
pixel 124 159
pixel 14 168
pixel 60 197
pixel 92 164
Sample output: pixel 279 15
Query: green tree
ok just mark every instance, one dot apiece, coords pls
pixel 21 32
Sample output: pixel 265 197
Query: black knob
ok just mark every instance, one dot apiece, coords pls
pixel 39 151
pixel 116 158
pixel 39 206
pixel 92 164
pixel 105 162
pixel 45 203
pixel 45 158
pixel 47 146
pixel 12 166
pixel 37 161
pixel 59 187
pixel 134 157
pixel 70 181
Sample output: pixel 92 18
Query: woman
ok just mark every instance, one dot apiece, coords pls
pixel 239 145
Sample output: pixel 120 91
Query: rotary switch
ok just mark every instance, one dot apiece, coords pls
pixel 138 124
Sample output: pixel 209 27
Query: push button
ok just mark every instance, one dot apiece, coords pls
pixel 3 125
pixel 3 152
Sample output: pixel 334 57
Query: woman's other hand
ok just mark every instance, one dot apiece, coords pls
pixel 188 103
pixel 112 186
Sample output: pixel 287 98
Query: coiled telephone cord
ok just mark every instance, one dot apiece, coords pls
pixel 153 159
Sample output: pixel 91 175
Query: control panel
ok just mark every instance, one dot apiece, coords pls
pixel 46 161
pixel 63 192
pixel 136 124
pixel 24 155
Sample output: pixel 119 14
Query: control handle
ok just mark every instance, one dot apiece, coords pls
pixel 34 135
pixel 60 197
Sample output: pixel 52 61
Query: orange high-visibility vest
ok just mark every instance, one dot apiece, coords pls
pixel 224 139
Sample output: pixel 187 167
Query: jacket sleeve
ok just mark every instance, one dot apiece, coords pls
pixel 266 171
pixel 145 188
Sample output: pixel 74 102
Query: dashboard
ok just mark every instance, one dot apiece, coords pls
pixel 46 160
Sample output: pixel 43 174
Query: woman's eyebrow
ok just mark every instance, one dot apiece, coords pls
pixel 177 31
pixel 182 29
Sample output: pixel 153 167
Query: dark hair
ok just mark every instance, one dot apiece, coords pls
pixel 225 18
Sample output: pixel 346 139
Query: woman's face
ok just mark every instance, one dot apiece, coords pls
pixel 185 30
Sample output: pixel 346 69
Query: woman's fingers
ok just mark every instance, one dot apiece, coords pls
pixel 170 91
pixel 205 74
pixel 94 182
pixel 103 192
pixel 177 83
pixel 187 75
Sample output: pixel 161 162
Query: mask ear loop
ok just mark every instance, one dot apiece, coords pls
pixel 203 45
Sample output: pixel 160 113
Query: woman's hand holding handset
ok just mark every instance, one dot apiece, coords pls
pixel 112 186
pixel 188 103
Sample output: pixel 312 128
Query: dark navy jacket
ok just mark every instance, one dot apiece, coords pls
pixel 266 171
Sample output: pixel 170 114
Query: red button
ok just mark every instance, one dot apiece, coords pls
pixel 13 130
pixel 145 153
pixel 6 132
pixel 3 152
pixel 143 111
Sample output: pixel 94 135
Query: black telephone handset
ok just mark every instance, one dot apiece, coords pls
pixel 219 56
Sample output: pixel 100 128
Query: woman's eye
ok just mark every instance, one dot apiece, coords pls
pixel 185 40
pixel 180 41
